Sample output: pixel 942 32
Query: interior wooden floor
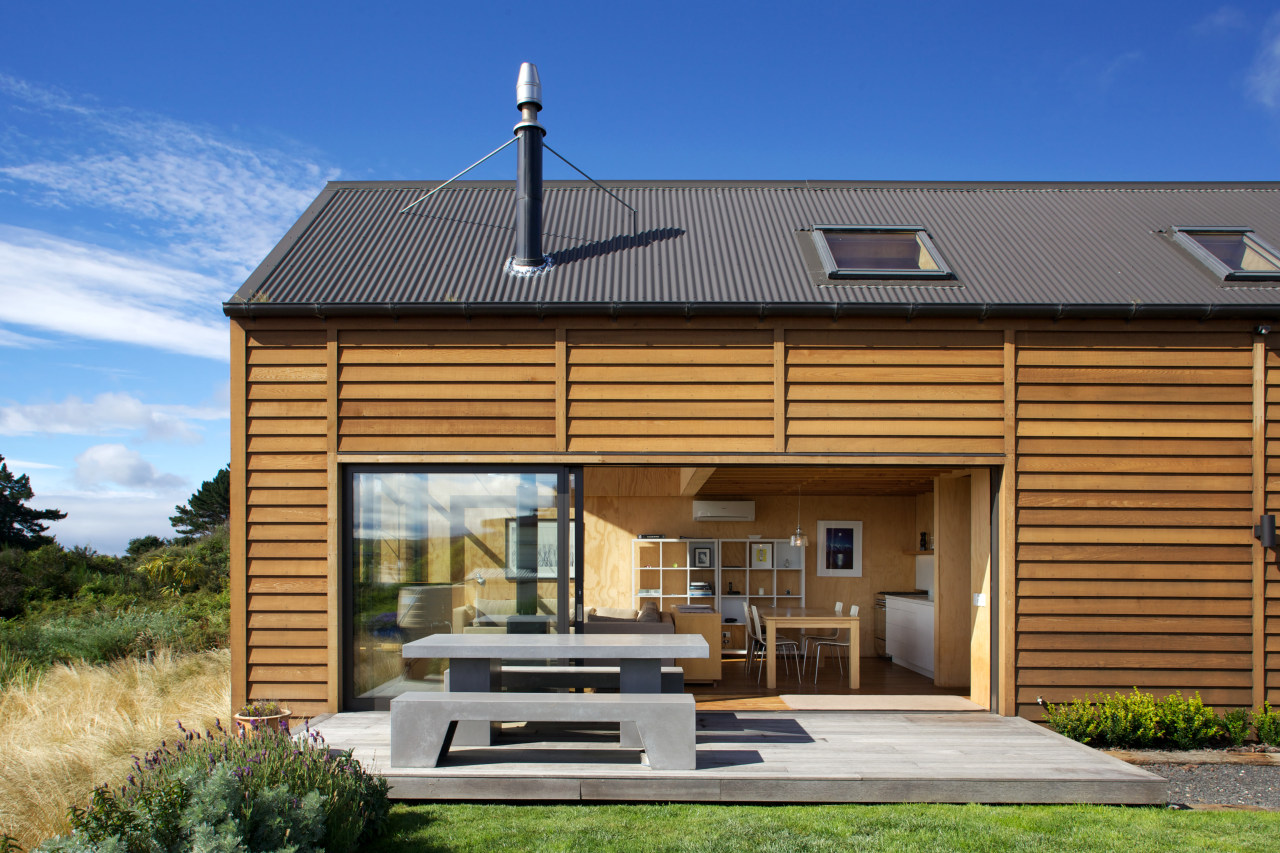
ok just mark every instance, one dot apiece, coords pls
pixel 738 690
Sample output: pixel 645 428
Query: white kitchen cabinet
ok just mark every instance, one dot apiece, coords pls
pixel 908 637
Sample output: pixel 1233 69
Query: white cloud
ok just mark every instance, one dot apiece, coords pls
pixel 79 289
pixel 10 338
pixel 1092 77
pixel 108 414
pixel 220 205
pixel 1116 67
pixel 1264 76
pixel 191 213
pixel 1222 19
pixel 23 465
pixel 115 463
pixel 106 521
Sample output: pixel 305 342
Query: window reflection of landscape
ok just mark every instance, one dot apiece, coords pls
pixel 445 552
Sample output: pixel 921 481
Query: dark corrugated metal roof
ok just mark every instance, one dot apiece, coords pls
pixel 716 247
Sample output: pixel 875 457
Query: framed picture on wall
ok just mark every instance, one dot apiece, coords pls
pixel 548 564
pixel 702 558
pixel 840 549
pixel 762 555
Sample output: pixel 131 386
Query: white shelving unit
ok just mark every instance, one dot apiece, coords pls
pixel 661 572
pixel 741 572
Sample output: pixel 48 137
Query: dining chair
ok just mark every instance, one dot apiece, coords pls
pixel 807 637
pixel 784 646
pixel 753 640
pixel 841 641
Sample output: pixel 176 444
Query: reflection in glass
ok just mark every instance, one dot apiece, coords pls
pixel 879 250
pixel 1237 250
pixel 446 552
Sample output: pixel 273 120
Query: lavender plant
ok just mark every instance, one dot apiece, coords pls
pixel 216 791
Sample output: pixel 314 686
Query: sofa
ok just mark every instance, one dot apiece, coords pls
pixel 648 620
pixel 612 620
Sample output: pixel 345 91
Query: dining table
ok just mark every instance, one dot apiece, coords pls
pixel 793 616
pixel 475 661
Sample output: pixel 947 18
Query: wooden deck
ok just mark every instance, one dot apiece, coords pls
pixel 791 756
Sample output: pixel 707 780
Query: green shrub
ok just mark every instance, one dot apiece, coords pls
pixel 63 632
pixel 214 792
pixel 1138 720
pixel 201 565
pixel 14 668
pixel 1131 720
pixel 62 606
pixel 1235 726
pixel 1077 719
pixel 1267 724
pixel 1187 723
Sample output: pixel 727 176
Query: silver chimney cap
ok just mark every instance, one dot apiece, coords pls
pixel 528 86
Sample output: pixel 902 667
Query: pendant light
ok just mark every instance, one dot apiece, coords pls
pixel 799 539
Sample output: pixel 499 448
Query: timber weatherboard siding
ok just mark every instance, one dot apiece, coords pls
pixel 286 628
pixel 1134 515
pixel 1131 447
pixel 1269 575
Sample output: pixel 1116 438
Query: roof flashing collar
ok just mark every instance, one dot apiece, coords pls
pixel 514 267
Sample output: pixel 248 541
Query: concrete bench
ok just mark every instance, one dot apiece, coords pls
pixel 422 724
pixel 527 678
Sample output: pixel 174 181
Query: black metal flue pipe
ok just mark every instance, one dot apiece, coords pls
pixel 529 198
pixel 529 169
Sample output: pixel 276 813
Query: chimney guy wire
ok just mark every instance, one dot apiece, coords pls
pixel 468 169
pixel 635 222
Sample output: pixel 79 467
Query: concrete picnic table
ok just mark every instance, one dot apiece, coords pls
pixel 475 660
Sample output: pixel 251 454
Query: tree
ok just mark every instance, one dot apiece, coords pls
pixel 20 526
pixel 207 508
pixel 143 544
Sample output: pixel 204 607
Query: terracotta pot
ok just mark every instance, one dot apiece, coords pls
pixel 253 726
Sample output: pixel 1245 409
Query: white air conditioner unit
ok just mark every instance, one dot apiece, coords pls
pixel 724 510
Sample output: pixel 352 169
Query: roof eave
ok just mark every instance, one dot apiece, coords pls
pixel 906 310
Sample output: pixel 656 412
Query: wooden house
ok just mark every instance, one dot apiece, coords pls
pixel 1068 389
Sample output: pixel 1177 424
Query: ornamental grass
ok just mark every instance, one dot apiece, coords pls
pixel 73 727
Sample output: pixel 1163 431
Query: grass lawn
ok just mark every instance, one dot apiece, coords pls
pixel 794 829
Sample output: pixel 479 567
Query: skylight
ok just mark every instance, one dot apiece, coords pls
pixel 879 251
pixel 1235 254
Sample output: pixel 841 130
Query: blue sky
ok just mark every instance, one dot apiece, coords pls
pixel 152 153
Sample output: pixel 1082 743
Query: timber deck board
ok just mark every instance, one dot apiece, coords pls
pixel 772 756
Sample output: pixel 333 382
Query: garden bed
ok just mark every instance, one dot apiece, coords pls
pixel 1245 778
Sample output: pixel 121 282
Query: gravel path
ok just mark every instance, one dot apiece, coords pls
pixel 1221 784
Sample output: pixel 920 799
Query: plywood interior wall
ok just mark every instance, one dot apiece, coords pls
pixel 979 640
pixel 951 596
pixel 615 516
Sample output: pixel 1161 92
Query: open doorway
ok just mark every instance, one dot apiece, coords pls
pixel 652 537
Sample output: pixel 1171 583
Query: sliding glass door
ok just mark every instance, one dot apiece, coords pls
pixel 452 550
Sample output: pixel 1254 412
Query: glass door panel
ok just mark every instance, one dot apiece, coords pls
pixel 449 551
